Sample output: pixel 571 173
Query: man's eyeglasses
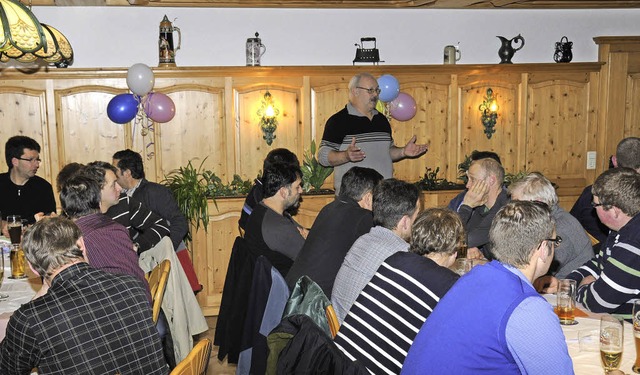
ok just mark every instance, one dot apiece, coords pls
pixel 556 241
pixel 370 91
pixel 31 160
pixel 594 204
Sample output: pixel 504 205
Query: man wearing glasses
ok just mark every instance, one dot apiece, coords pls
pixel 609 282
pixel 360 135
pixel 23 193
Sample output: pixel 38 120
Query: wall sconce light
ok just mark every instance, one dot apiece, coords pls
pixel 268 121
pixel 489 109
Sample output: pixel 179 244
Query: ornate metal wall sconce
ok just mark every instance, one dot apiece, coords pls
pixel 489 109
pixel 268 121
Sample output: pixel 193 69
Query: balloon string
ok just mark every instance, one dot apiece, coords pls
pixel 146 127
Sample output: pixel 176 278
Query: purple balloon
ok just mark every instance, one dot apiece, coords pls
pixel 122 108
pixel 159 107
pixel 403 108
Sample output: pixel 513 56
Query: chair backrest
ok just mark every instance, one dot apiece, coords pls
pixel 334 325
pixel 157 279
pixel 197 361
pixel 594 241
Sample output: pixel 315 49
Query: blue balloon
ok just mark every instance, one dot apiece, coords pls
pixel 389 88
pixel 122 108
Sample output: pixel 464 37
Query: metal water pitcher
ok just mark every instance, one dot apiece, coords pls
pixel 255 49
pixel 167 53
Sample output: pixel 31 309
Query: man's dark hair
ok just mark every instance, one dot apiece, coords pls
pixel 358 181
pixel 99 169
pixel 477 155
pixel 628 153
pixel 132 161
pixel 277 176
pixel 14 148
pixel 80 195
pixel 393 199
pixel 280 155
pixel 66 172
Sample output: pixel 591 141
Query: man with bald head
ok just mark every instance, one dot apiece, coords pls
pixel 360 135
pixel 484 197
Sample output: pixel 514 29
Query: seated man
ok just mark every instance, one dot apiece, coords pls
pixel 388 313
pixel 278 155
pixel 108 245
pixel 159 199
pixel 337 227
pixel 23 193
pixel 484 197
pixel 576 246
pixel 89 322
pixel 395 206
pixel 627 155
pixel 609 282
pixel 492 320
pixel 270 227
pixel 456 202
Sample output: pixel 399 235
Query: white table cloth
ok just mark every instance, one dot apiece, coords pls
pixel 20 291
pixel 587 361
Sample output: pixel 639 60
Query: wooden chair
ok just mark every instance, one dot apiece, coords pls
pixel 594 241
pixel 157 279
pixel 334 325
pixel 197 361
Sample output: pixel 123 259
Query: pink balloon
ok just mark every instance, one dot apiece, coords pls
pixel 159 107
pixel 403 108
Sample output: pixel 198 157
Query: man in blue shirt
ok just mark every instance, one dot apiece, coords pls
pixel 493 314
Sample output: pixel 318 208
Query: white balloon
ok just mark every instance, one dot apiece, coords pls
pixel 140 79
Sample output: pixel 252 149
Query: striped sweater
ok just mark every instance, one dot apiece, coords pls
pixel 387 315
pixel 617 271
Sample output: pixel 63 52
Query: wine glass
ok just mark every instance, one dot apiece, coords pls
pixel 611 342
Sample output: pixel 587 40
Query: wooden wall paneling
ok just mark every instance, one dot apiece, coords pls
pixel 23 112
pixel 504 141
pixel 84 131
pixel 196 133
pixel 211 251
pixel 632 120
pixel 430 125
pixel 251 142
pixel 454 128
pixel 558 124
pixel 327 99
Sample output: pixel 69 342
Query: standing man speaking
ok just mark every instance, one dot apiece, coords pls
pixel 360 135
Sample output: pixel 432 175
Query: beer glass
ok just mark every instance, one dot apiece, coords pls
pixel 14 225
pixel 18 262
pixel 611 342
pixel 565 301
pixel 462 266
pixel 636 335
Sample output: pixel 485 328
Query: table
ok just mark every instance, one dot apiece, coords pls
pixel 587 361
pixel 20 291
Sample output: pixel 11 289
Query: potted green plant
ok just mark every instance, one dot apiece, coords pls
pixel 313 173
pixel 189 187
pixel 430 181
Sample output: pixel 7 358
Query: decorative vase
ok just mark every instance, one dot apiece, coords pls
pixel 506 51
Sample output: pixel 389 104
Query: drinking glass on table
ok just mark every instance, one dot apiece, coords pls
pixel 636 335
pixel 611 342
pixel 14 225
pixel 566 301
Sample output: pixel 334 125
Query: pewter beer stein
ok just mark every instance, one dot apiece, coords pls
pixel 255 50
pixel 166 51
pixel 451 54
